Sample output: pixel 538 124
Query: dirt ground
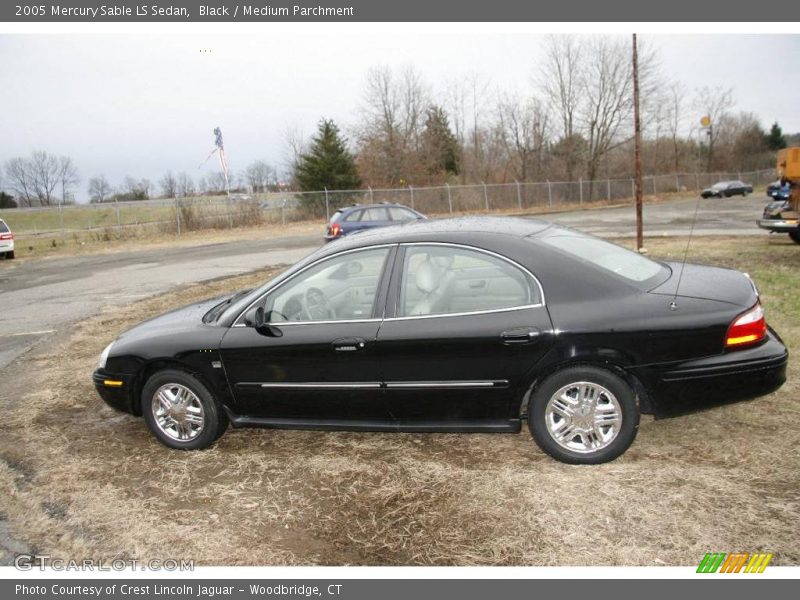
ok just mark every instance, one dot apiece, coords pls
pixel 79 480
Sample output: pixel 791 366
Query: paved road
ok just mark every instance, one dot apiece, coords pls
pixel 41 298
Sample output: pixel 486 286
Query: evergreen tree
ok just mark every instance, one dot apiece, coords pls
pixel 328 164
pixel 775 139
pixel 440 147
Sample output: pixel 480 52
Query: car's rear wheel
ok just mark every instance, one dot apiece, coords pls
pixel 583 415
pixel 181 412
pixel 795 235
pixel 10 254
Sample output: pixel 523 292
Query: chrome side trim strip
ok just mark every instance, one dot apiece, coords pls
pixel 444 384
pixel 374 385
pixel 465 314
pixel 317 386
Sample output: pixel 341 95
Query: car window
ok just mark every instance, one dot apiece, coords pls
pixel 397 213
pixel 3 227
pixel 605 255
pixel 340 288
pixel 353 216
pixel 336 216
pixel 439 280
pixel 374 214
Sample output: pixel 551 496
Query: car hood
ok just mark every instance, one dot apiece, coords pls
pixel 181 320
pixel 709 283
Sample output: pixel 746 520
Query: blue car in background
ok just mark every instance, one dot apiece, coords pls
pixel 368 216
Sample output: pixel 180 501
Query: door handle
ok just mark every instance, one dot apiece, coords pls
pixel 352 344
pixel 520 335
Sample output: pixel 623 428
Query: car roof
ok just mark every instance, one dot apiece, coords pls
pixel 375 205
pixel 471 227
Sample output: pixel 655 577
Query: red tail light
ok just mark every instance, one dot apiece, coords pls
pixel 747 329
pixel 335 229
pixel 7 236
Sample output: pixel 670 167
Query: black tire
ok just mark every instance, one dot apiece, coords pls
pixel 214 419
pixel 622 392
pixel 10 255
pixel 795 235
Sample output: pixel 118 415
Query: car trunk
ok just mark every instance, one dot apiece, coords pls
pixel 709 283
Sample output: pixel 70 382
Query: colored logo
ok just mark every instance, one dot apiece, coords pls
pixel 738 562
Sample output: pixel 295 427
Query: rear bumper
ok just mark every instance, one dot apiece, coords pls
pixel 716 380
pixel 115 390
pixel 778 225
pixel 6 246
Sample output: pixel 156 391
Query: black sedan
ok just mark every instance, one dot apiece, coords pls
pixel 462 325
pixel 726 189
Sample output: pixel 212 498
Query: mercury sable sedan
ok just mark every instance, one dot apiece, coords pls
pixel 461 325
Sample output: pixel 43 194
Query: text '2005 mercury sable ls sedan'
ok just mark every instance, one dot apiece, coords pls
pixel 468 325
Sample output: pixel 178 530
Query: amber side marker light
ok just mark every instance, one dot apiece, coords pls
pixel 747 329
pixel 112 383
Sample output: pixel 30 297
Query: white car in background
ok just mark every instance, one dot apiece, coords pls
pixel 6 240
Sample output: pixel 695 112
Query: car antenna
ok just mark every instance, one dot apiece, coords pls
pixel 673 304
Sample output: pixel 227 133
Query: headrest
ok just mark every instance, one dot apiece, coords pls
pixel 427 277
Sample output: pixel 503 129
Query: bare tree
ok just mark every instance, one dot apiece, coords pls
pixel 394 107
pixel 296 144
pixel 561 79
pixel 524 130
pixel 607 90
pixel 169 185
pixel 45 171
pixel 21 180
pixel 259 176
pixel 675 107
pixel 68 177
pixel 185 185
pixel 99 189
pixel 714 104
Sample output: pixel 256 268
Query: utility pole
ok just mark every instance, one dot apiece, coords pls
pixel 637 147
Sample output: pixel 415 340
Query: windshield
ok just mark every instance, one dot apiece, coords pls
pixel 3 227
pixel 609 257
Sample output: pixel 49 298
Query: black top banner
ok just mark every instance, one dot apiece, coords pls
pixel 401 10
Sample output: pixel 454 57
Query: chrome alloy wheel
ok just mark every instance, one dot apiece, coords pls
pixel 583 417
pixel 178 412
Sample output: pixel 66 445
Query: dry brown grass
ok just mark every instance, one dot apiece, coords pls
pixel 79 480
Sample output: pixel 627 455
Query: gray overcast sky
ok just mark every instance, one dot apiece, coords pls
pixel 143 104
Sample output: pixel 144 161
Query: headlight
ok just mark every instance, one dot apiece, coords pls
pixel 104 357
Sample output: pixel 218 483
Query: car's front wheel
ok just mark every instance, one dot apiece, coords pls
pixel 795 235
pixel 181 412
pixel 583 415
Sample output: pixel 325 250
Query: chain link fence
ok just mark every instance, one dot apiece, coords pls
pixel 180 215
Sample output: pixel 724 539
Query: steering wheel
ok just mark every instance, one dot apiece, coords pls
pixel 316 306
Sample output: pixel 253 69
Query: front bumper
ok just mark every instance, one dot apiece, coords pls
pixel 778 225
pixel 115 390
pixel 716 380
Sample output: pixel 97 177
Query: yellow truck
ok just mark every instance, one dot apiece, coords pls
pixel 781 216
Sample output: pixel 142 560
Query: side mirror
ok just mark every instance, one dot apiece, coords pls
pixel 259 321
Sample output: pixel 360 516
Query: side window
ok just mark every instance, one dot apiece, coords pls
pixel 340 288
pixel 401 214
pixel 374 214
pixel 354 216
pixel 439 280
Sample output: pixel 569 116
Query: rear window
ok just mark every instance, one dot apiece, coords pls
pixel 375 214
pixel 336 216
pixel 609 257
pixel 401 214
pixel 3 227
